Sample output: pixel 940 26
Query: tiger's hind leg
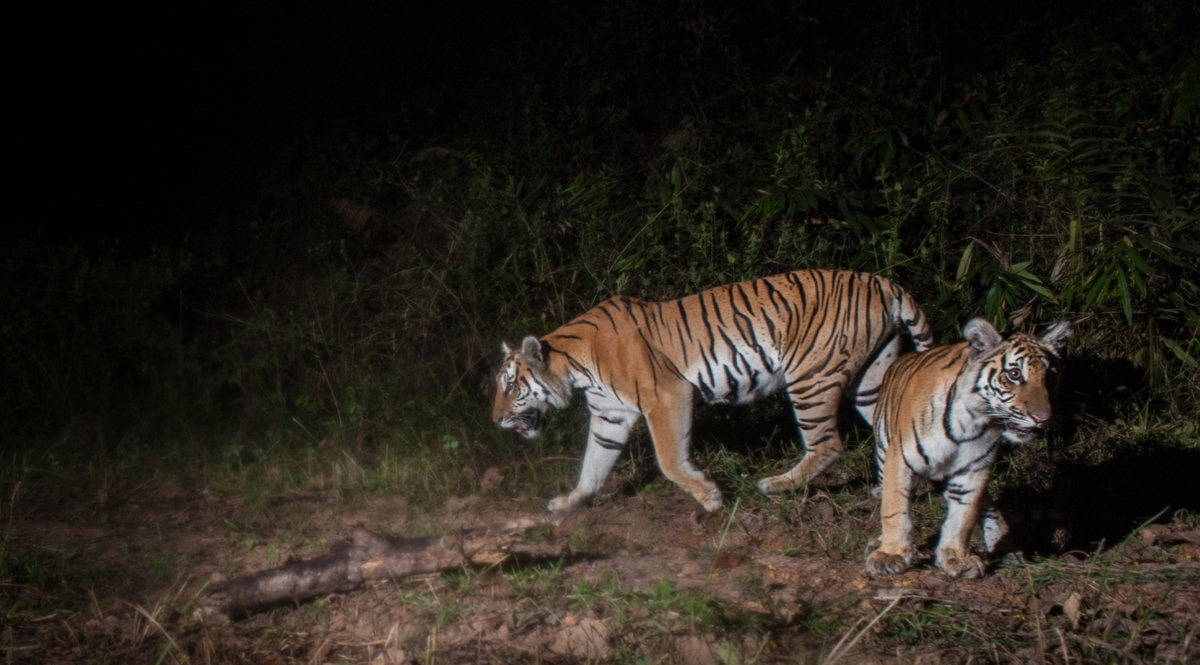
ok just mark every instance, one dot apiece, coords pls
pixel 865 396
pixel 816 409
pixel 866 393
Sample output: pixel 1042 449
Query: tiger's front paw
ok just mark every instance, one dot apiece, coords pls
pixel 880 562
pixel 712 501
pixel 964 566
pixel 562 504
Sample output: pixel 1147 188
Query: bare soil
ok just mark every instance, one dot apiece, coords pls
pixel 642 576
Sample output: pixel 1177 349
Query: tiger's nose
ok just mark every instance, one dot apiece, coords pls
pixel 1039 417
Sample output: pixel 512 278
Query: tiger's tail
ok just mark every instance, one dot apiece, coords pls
pixel 910 314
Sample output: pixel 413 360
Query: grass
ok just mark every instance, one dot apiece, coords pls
pixel 270 506
pixel 648 622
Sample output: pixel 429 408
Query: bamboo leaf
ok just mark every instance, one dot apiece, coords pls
pixel 1160 248
pixel 1044 133
pixel 1036 286
pixel 1135 260
pixel 1126 298
pixel 1180 353
pixel 964 262
pixel 1099 291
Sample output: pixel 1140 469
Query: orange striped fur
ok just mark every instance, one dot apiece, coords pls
pixel 820 335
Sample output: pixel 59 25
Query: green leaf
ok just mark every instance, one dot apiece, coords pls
pixel 964 262
pixel 1156 247
pixel 1099 291
pixel 1036 286
pixel 1139 266
pixel 1180 353
pixel 1126 298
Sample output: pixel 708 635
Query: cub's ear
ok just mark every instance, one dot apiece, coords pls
pixel 505 349
pixel 531 348
pixel 981 337
pixel 1055 337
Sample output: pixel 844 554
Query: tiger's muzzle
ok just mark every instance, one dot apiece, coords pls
pixel 1026 428
pixel 526 423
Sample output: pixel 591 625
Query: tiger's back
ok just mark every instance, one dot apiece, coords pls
pixel 739 342
pixel 818 334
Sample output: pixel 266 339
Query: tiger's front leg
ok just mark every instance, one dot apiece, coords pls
pixel 895 551
pixel 965 496
pixel 607 435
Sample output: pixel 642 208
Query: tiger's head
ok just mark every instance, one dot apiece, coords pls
pixel 1016 375
pixel 526 389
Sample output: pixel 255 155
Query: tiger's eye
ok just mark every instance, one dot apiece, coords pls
pixel 1014 374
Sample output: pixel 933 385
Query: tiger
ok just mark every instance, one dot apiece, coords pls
pixel 947 414
pixel 818 334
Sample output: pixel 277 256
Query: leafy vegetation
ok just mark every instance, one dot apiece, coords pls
pixel 1055 176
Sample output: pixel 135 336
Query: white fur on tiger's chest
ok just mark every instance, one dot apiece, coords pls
pixel 939 456
pixel 948 459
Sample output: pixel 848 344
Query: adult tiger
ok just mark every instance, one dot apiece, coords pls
pixel 946 414
pixel 820 334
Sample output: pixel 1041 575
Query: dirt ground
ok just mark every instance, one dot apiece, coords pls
pixel 642 577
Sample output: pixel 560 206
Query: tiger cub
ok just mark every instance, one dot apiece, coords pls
pixel 946 414
pixel 818 334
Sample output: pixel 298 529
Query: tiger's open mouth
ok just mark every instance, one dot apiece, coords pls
pixel 527 423
pixel 1022 431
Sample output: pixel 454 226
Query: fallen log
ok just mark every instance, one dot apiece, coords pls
pixel 365 556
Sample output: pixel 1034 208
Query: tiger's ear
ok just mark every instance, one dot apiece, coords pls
pixel 505 349
pixel 981 337
pixel 1055 337
pixel 531 348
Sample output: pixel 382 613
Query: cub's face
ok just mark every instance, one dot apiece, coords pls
pixel 1016 381
pixel 522 396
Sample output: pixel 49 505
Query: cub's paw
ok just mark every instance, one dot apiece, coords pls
pixel 964 567
pixel 1010 559
pixel 775 484
pixel 884 563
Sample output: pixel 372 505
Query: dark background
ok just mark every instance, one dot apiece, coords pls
pixel 143 124
pixel 249 208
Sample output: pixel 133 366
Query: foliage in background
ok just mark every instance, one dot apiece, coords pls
pixel 992 165
pixel 91 342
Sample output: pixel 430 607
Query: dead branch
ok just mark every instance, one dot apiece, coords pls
pixel 365 556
